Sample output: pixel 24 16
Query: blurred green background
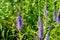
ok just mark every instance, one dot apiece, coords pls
pixel 29 13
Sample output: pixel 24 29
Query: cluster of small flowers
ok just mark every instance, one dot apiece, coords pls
pixel 40 25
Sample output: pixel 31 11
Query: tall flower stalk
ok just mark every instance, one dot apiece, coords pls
pixel 19 21
pixel 40 26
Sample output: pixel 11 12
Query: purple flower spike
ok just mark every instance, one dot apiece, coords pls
pixel 45 12
pixel 58 17
pixel 55 16
pixel 48 34
pixel 40 26
pixel 19 22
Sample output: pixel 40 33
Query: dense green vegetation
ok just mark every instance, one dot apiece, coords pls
pixel 29 12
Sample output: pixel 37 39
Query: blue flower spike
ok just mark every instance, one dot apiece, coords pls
pixel 19 21
pixel 40 26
